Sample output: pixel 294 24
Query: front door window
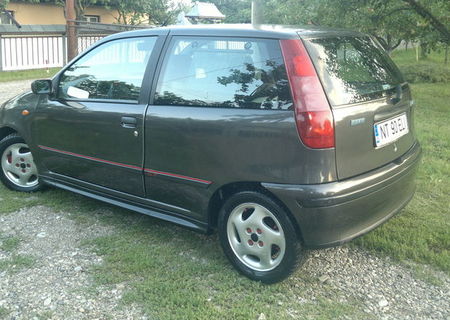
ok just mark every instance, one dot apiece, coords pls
pixel 112 71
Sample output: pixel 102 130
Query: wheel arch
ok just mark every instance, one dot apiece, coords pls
pixel 226 191
pixel 6 131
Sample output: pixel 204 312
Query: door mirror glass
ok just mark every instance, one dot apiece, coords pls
pixel 41 86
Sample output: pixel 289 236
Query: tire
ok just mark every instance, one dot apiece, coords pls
pixel 258 237
pixel 18 171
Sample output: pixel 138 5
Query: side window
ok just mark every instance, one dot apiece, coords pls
pixel 224 72
pixel 112 71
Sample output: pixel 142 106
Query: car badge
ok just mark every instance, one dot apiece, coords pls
pixel 355 122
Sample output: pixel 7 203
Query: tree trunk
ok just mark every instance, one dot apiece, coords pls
pixel 394 46
pixel 446 54
pixel 79 9
pixel 423 50
pixel 389 44
pixel 71 30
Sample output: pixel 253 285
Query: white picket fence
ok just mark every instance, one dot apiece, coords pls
pixel 85 42
pixel 36 52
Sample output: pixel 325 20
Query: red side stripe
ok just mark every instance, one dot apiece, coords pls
pixel 91 158
pixel 126 165
pixel 177 176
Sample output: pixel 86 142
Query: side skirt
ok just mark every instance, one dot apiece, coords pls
pixel 166 216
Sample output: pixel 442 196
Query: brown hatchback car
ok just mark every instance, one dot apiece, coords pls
pixel 282 139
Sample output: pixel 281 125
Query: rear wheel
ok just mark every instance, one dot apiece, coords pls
pixel 18 170
pixel 258 237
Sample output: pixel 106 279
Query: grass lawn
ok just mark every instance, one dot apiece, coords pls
pixel 402 57
pixel 421 231
pixel 27 74
pixel 177 274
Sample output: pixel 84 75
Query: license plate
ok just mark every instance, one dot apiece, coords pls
pixel 390 130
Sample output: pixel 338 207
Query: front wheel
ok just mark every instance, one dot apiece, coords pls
pixel 18 170
pixel 258 237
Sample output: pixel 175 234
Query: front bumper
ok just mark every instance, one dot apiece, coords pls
pixel 333 213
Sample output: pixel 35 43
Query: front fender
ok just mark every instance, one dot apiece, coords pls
pixel 11 113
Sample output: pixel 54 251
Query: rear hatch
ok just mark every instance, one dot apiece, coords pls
pixel 370 101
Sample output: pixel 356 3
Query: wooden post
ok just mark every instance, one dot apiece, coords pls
pixel 257 12
pixel 71 31
pixel 1 54
pixel 64 48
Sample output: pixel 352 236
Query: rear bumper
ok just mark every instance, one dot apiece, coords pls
pixel 333 213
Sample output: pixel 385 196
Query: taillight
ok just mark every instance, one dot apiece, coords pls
pixel 313 115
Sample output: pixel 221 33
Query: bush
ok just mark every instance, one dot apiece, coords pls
pixel 428 73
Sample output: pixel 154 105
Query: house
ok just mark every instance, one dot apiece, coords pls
pixel 33 35
pixel 205 11
pixel 47 13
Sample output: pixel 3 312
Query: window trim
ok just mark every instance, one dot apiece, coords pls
pixel 12 13
pixel 100 100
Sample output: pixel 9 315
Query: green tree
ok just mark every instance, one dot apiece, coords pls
pixel 162 12
pixel 235 11
pixel 157 12
pixel 439 19
pixel 129 11
pixel 390 21
pixel 3 4
pixel 81 5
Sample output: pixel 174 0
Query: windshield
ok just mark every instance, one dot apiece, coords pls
pixel 353 69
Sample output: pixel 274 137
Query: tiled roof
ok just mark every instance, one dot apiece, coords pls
pixel 10 29
pixel 205 10
pixel 32 28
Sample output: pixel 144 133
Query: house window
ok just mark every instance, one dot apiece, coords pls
pixel 5 18
pixel 89 18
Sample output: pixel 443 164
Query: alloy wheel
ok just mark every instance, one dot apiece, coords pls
pixel 256 237
pixel 18 166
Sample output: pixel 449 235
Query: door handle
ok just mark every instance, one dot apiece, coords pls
pixel 128 122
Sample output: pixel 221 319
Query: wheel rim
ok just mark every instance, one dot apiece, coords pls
pixel 256 237
pixel 18 166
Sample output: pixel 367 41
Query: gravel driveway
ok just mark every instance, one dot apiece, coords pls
pixel 10 89
pixel 57 283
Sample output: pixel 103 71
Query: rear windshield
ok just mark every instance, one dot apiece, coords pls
pixel 353 69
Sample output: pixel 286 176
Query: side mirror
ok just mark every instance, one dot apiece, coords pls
pixel 42 86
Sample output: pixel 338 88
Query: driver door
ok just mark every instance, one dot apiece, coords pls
pixel 92 131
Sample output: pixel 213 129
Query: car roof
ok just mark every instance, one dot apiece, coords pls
pixel 240 30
